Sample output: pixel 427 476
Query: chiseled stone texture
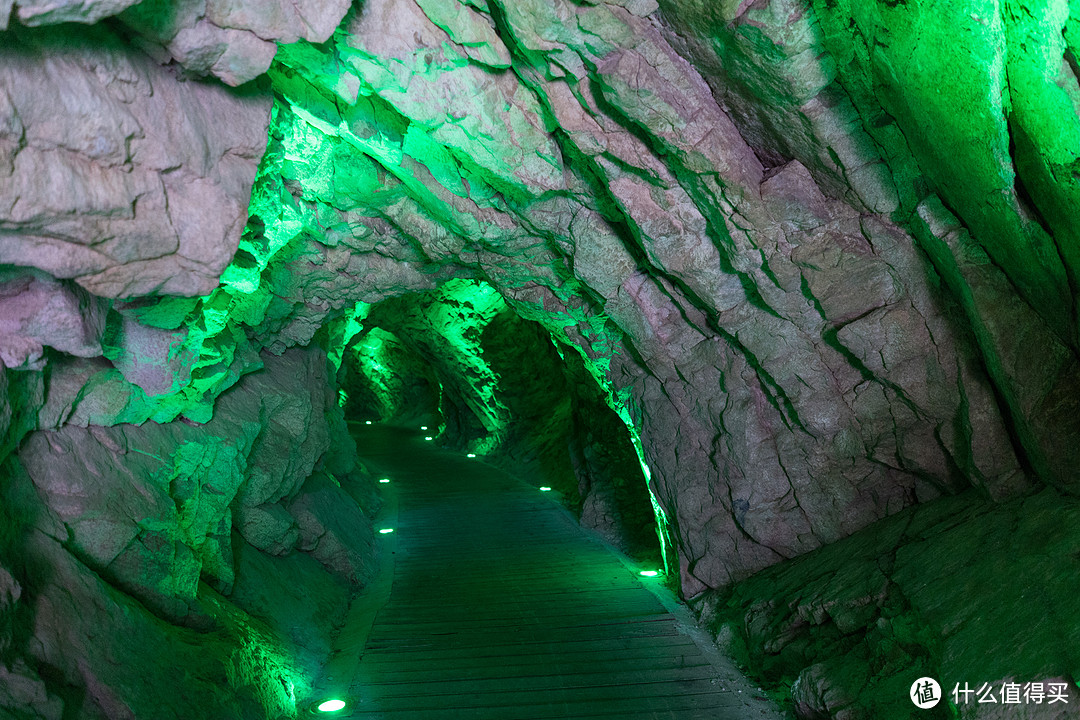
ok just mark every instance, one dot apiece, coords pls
pixel 819 369
pixel 962 590
pixel 153 516
pixel 232 40
pixel 826 302
pixel 113 173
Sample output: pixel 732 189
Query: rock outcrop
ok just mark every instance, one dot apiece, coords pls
pixel 199 536
pixel 825 343
pixel 115 174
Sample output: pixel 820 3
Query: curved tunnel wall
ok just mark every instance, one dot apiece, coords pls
pixel 461 362
pixel 832 306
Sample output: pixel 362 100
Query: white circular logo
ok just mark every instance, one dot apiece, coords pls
pixel 925 693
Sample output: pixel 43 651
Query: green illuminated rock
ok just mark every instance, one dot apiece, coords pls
pixel 819 258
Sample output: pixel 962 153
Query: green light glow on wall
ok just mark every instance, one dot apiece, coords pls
pixel 343 397
pixel 386 531
pixel 331 706
pixel 344 329
pixel 618 399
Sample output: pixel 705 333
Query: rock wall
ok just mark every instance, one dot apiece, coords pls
pixel 957 589
pixel 230 543
pixel 750 274
pixel 820 257
pixel 212 554
pixel 385 381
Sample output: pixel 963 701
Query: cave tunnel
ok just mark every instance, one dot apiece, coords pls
pixel 506 359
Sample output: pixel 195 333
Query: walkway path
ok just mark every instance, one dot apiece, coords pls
pixel 503 608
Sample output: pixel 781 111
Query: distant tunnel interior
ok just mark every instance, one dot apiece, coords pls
pixel 460 362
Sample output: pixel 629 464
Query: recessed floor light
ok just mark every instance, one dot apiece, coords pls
pixel 428 437
pixel 366 422
pixel 386 531
pixel 649 573
pixel 384 480
pixel 331 706
pixel 471 455
pixel 545 488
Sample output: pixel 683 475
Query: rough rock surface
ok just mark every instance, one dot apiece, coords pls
pixel 826 292
pixel 230 39
pixel 956 590
pixel 113 173
pixel 154 516
pixel 384 381
pixel 819 366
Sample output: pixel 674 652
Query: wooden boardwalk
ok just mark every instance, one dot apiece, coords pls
pixel 502 607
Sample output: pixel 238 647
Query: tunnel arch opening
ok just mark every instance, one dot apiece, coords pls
pixel 460 360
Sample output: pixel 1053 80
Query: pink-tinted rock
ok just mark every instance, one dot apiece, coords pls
pixel 232 40
pixel 37 311
pixel 115 174
pixel 333 530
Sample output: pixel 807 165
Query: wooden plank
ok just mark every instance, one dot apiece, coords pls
pixel 502 609
pixel 507 613
pixel 612 647
pixel 726 710
pixel 374 687
pixel 657 696
pixel 499 667
pixel 392 642
pixel 550 618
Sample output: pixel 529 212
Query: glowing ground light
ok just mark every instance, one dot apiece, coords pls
pixel 471 455
pixel 331 706
pixel 366 422
pixel 384 480
pixel 386 531
pixel 423 427
pixel 428 437
pixel 545 489
pixel 649 573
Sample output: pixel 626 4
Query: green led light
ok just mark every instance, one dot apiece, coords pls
pixel 545 488
pixel 428 437
pixel 386 531
pixel 384 480
pixel 367 422
pixel 649 573
pixel 423 427
pixel 331 706
pixel 471 455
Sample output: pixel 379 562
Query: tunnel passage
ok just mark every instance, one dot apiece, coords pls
pixel 820 255
pixel 459 360
pixel 500 606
